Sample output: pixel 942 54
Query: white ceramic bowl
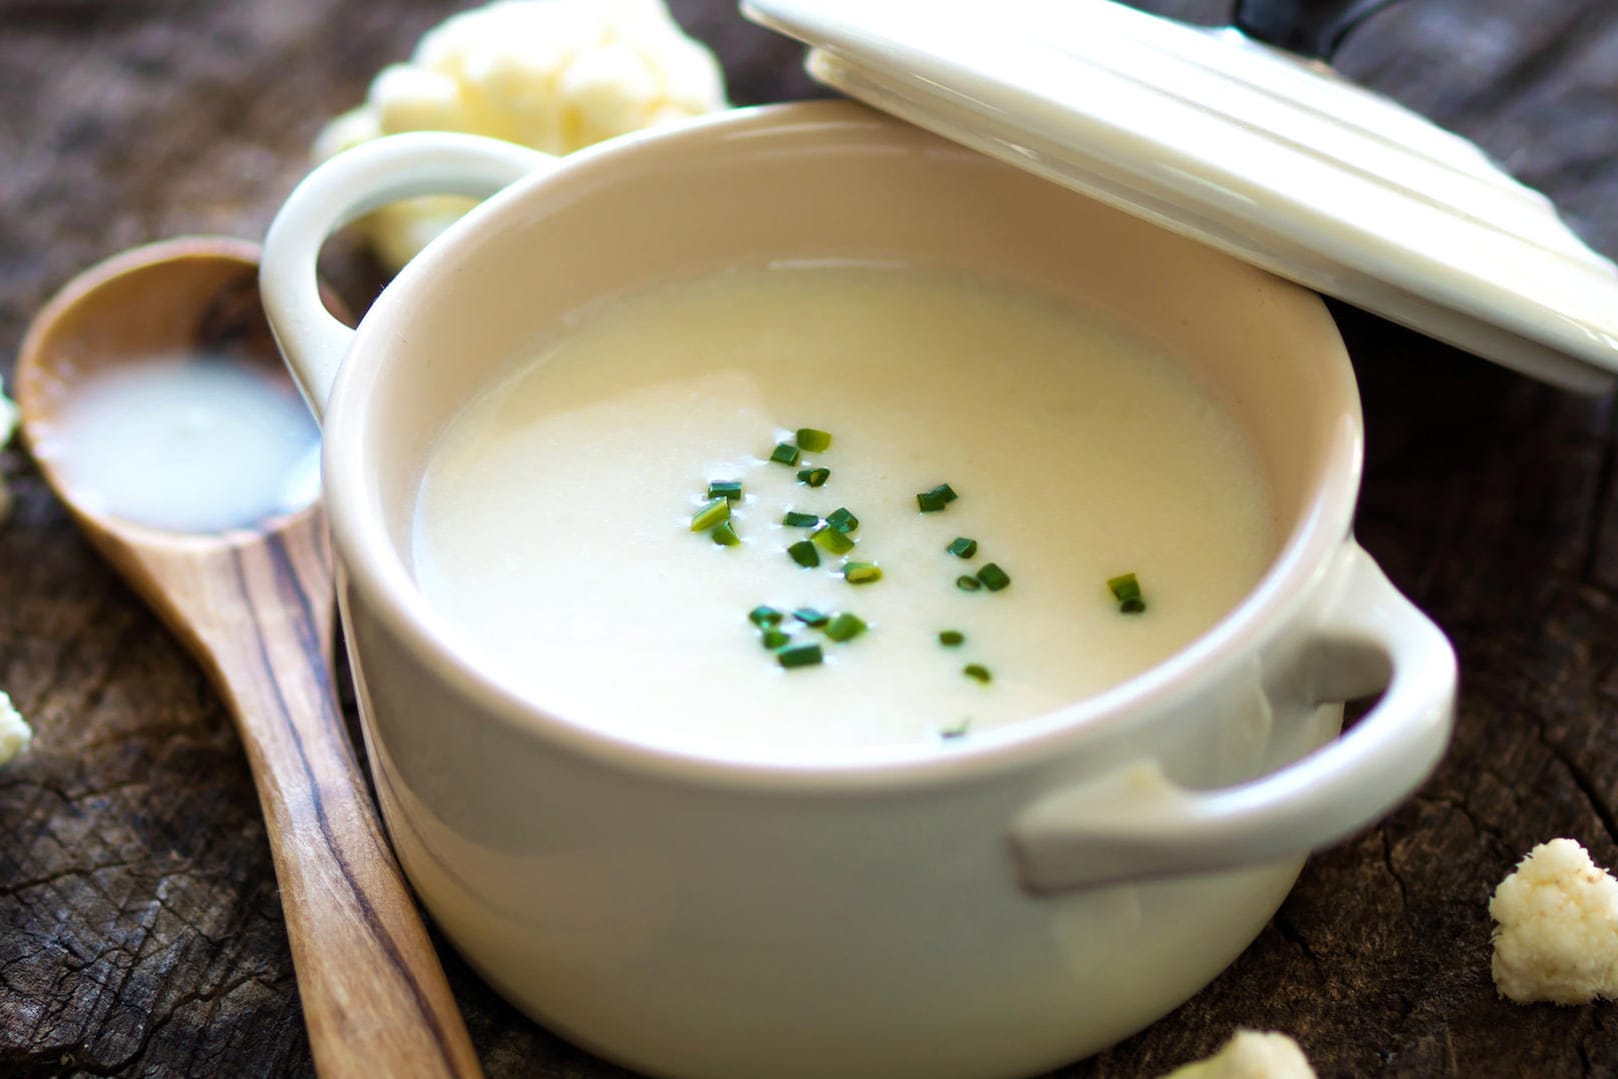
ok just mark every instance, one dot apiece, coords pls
pixel 994 910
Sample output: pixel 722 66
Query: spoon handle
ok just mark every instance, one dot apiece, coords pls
pixel 374 995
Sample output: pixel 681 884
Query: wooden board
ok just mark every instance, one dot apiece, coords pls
pixel 140 932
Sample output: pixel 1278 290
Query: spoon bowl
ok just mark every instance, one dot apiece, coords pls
pixel 152 396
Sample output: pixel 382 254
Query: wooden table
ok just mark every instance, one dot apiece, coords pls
pixel 141 930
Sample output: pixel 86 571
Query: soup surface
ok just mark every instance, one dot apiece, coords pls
pixel 556 526
pixel 191 442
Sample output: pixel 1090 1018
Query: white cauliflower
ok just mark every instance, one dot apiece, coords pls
pixel 8 427
pixel 15 734
pixel 1251 1054
pixel 555 75
pixel 1557 940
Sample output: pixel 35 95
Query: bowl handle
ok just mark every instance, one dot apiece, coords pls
pixel 348 186
pixel 1135 823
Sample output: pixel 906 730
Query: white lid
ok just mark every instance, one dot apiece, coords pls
pixel 1264 154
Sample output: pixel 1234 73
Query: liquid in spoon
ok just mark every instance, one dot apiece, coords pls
pixel 187 441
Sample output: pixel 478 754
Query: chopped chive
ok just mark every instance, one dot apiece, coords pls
pixel 842 520
pixel 764 617
pixel 993 577
pixel 785 453
pixel 845 627
pixel 724 534
pixel 773 638
pixel 730 489
pixel 955 730
pixel 951 638
pixel 961 547
pixel 977 671
pixel 804 554
pixel 794 519
pixel 813 440
pixel 1126 590
pixel 832 541
pixel 799 655
pixel 936 499
pixel 810 617
pixel 814 477
pixel 862 572
pixel 711 514
pixel 968 584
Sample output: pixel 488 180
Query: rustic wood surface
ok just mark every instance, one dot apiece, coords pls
pixel 140 926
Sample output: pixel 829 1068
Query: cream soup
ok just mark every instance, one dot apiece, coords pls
pixel 554 526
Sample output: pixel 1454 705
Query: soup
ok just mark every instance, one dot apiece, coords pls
pixel 1007 467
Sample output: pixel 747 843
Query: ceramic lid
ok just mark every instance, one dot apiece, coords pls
pixel 1261 152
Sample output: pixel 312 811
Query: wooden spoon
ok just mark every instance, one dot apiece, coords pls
pixel 252 600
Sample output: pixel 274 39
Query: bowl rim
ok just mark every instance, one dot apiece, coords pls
pixel 381 579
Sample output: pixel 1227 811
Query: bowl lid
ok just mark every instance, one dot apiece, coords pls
pixel 1264 153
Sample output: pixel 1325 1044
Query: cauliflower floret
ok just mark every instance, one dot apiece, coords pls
pixel 15 734
pixel 1558 935
pixel 8 427
pixel 555 75
pixel 1251 1054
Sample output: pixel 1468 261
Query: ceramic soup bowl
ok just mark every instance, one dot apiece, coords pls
pixel 1017 901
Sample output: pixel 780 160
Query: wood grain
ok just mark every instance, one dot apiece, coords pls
pixel 257 611
pixel 141 928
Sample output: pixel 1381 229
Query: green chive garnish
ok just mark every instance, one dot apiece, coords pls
pixel 785 453
pixel 763 617
pixel 773 638
pixel 804 554
pixel 951 638
pixel 845 627
pixel 832 541
pixel 977 671
pixel 993 577
pixel 810 617
pixel 814 477
pixel 793 519
pixel 812 440
pixel 955 730
pixel 730 489
pixel 862 572
pixel 1126 590
pixel 711 514
pixel 724 534
pixel 936 499
pixel 968 584
pixel 842 520
pixel 961 547
pixel 799 655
